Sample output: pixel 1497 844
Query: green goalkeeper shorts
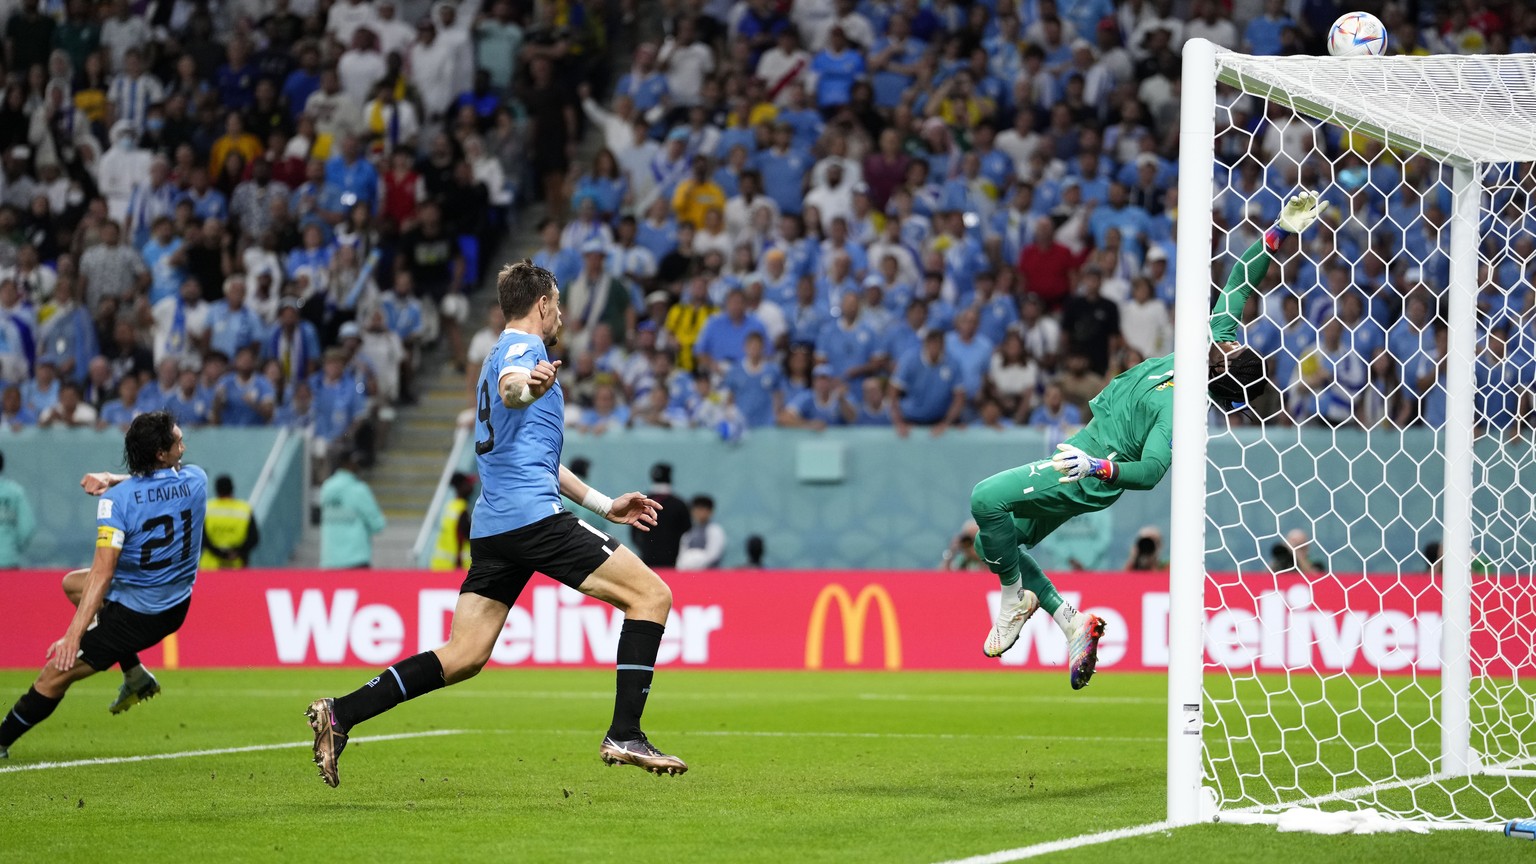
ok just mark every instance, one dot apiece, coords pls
pixel 1039 501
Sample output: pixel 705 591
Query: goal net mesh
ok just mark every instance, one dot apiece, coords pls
pixel 1323 603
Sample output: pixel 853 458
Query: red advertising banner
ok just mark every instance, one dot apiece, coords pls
pixel 810 620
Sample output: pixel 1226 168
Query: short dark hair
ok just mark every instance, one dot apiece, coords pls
pixel 519 286
pixel 1239 378
pixel 148 436
pixel 704 501
pixel 224 486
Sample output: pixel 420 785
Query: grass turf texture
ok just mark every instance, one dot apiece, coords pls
pixel 834 766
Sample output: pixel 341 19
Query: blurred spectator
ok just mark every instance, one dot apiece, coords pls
pixel 961 553
pixel 756 549
pixel 452 549
pixel 704 544
pixel 17 522
pixel 658 547
pixel 349 517
pixel 230 532
pixel 1147 551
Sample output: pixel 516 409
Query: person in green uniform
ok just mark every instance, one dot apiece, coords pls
pixel 1127 445
pixel 17 524
pixel 349 517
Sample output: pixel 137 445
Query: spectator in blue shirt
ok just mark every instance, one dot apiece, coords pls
pixel 302 81
pixel 643 83
pixel 971 351
pixel 338 403
pixel 1055 414
pixel 207 202
pixel 783 169
pixel 293 343
pixel 189 403
pixel 353 175
pixel 837 66
pixel 825 404
pixel 927 390
pixel 121 411
pixel 165 259
pixel 723 340
pixel 1263 33
pixel 851 349
pixel 243 397
pixel 756 384
pixel 232 325
pixel 402 311
pixel 236 79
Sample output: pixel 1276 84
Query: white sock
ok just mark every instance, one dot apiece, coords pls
pixel 1011 594
pixel 1066 617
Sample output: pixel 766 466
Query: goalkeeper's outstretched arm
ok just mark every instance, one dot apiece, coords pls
pixel 1298 214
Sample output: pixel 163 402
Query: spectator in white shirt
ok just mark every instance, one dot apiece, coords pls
pixel 361 67
pixel 686 63
pixel 1207 22
pixel 335 113
pixel 782 65
pixel 395 36
pixel 704 544
pixel 345 17
pixel 123 31
pixel 180 324
pixel 432 70
pixel 122 167
pixel 1144 321
pixel 832 199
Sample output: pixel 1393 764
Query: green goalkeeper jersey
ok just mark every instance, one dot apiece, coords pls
pixel 1133 415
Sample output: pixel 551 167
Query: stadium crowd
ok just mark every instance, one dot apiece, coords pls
pixel 836 213
pixel 247 213
pixel 812 214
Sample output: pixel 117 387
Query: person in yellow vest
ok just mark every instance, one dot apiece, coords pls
pixel 452 552
pixel 229 529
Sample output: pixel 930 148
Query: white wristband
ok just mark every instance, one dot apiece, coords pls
pixel 597 502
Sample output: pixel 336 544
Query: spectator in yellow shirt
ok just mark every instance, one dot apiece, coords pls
pixel 234 140
pixel 697 194
pixel 686 320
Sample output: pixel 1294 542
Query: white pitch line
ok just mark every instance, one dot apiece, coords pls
pixel 220 751
pixel 925 736
pixel 1064 844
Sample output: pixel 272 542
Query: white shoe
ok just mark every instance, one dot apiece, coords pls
pixel 1013 611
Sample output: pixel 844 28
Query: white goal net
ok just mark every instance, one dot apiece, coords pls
pixel 1365 561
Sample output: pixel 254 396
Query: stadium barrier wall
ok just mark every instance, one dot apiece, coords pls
pixel 802 620
pixel 48 464
pixel 850 499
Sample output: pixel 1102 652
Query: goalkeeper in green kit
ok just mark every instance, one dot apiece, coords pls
pixel 1127 445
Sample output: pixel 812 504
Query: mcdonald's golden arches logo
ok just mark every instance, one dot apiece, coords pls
pixel 854 612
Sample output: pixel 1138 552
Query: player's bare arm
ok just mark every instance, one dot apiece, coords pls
pixel 108 547
pixel 631 508
pixel 98 482
pixel 522 387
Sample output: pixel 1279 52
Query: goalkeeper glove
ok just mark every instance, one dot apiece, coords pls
pixel 1074 465
pixel 1296 216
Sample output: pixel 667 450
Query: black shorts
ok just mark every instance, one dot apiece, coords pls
pixel 561 547
pixel 119 633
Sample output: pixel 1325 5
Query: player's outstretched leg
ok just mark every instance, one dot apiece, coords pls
pixel 138 683
pixel 37 704
pixel 624 581
pixel 1023 505
pixel 477 622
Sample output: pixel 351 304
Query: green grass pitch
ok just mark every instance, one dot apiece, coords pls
pixel 785 767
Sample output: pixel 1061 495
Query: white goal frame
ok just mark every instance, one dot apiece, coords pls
pixel 1462 146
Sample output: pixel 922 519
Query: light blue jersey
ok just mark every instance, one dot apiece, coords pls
pixel 159 519
pixel 517 451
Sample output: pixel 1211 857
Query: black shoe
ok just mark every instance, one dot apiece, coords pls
pixel 642 754
pixel 329 741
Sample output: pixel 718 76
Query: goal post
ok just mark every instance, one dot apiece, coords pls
pixel 1369 682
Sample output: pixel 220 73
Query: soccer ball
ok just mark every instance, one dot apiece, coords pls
pixel 1357 34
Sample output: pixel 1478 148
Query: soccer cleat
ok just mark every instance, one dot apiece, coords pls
pixel 129 695
pixel 1084 646
pixel 1010 620
pixel 329 741
pixel 640 753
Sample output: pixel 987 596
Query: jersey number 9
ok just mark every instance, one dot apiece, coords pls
pixel 484 414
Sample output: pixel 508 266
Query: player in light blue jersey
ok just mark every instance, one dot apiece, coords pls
pixel 149 534
pixel 519 527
